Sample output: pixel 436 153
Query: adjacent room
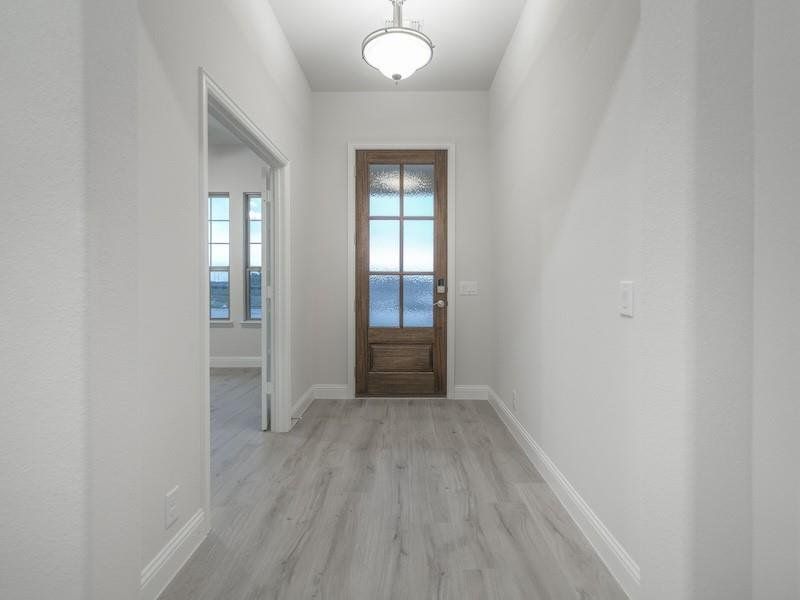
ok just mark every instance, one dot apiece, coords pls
pixel 237 183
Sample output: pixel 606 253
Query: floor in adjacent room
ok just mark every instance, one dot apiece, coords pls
pixel 372 499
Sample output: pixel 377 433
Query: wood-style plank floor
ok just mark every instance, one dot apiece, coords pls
pixel 372 499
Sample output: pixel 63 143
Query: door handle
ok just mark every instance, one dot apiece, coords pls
pixel 440 304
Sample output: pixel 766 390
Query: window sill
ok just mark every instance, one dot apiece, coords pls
pixel 251 324
pixel 220 323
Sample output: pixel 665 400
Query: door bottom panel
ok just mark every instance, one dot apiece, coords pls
pixel 400 384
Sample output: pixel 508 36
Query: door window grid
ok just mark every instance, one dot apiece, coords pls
pixel 401 298
pixel 219 276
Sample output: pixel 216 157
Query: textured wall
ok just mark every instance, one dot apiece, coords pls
pixel 43 436
pixel 622 144
pixel 776 413
pixel 566 213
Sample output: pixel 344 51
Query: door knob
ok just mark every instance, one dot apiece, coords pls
pixel 440 304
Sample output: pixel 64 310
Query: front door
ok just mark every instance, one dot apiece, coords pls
pixel 401 270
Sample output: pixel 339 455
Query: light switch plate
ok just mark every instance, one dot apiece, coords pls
pixel 468 288
pixel 626 298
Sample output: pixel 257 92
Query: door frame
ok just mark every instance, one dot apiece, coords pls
pixel 213 99
pixel 351 253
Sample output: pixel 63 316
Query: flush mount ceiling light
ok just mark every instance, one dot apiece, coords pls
pixel 397 51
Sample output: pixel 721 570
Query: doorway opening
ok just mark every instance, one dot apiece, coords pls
pixel 239 232
pixel 246 289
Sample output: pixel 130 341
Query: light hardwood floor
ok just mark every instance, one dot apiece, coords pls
pixel 372 499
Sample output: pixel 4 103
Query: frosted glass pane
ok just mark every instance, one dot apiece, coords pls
pixel 254 208
pixel 219 255
pixel 220 232
pixel 418 246
pixel 418 191
pixel 418 301
pixel 254 295
pixel 384 190
pixel 218 208
pixel 384 245
pixel 384 301
pixel 219 291
pixel 255 255
pixel 255 232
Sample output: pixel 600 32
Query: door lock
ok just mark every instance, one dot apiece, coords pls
pixel 440 303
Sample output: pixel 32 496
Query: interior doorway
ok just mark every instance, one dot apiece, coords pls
pixel 245 270
pixel 239 234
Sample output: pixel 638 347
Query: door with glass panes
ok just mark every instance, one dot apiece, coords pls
pixel 401 270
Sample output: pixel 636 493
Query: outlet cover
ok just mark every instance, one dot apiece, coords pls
pixel 626 298
pixel 171 507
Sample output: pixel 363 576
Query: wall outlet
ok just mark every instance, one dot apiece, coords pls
pixel 514 398
pixel 626 298
pixel 171 507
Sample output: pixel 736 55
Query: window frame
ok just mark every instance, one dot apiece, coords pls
pixel 247 267
pixel 212 269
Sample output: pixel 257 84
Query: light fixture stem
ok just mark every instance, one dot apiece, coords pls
pixel 398 12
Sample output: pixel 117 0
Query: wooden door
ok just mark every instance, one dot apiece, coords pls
pixel 401 271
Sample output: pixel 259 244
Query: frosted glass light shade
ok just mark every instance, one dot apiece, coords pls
pixel 397 52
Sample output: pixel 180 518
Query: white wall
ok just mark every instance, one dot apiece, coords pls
pixel 242 47
pixel 236 170
pixel 622 147
pixel 103 362
pixel 567 226
pixel 43 432
pixel 722 323
pixel 115 406
pixel 776 413
pixel 400 117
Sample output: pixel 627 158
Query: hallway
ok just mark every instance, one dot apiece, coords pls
pixel 369 499
pixel 571 227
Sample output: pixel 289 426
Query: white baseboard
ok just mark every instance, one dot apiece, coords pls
pixel 166 564
pixel 471 392
pixel 621 564
pixel 236 362
pixel 302 404
pixel 331 392
pixel 319 391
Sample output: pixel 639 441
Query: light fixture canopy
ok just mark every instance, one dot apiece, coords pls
pixel 397 51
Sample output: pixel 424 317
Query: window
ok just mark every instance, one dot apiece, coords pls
pixel 219 260
pixel 402 222
pixel 252 274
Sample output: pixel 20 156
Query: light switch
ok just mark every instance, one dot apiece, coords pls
pixel 626 298
pixel 468 288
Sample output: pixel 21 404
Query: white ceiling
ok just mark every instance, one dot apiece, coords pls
pixel 470 37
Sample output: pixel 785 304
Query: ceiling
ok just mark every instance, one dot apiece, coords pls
pixel 470 37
